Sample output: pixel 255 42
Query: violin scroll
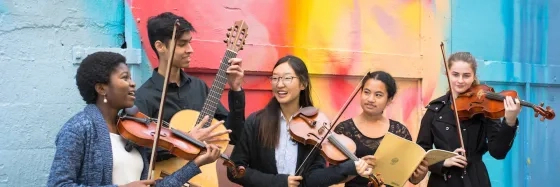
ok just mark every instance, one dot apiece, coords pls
pixel 237 172
pixel 375 181
pixel 547 113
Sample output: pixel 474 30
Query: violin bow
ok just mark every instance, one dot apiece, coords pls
pixel 453 98
pixel 334 122
pixel 162 101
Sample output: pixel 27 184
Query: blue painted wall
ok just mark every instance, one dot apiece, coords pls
pixel 37 85
pixel 517 44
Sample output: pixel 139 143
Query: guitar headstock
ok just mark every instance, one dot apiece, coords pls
pixel 236 35
pixel 547 113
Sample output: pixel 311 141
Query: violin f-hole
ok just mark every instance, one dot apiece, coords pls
pixel 311 134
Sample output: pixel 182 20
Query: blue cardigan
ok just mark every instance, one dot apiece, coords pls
pixel 84 156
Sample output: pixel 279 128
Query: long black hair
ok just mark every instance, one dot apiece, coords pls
pixel 269 127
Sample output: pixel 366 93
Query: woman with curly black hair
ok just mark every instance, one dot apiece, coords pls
pixel 89 150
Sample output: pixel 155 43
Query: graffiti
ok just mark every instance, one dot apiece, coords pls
pixel 341 40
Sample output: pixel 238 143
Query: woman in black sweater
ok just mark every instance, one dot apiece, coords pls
pixel 265 147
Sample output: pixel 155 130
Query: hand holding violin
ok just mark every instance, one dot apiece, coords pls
pixel 363 168
pixel 211 154
pixel 203 134
pixel 370 160
pixel 512 110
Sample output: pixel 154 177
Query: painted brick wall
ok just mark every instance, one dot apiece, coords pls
pixel 516 43
pixel 37 85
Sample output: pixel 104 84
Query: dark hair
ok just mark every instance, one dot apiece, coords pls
pixel 160 28
pixel 269 128
pixel 384 77
pixel 465 57
pixel 96 68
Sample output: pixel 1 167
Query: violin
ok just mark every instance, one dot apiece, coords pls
pixel 310 126
pixel 140 129
pixel 481 99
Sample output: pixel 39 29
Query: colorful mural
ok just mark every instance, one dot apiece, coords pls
pixel 338 40
pixel 341 40
pixel 515 42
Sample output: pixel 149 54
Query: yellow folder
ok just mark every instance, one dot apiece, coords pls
pixel 397 159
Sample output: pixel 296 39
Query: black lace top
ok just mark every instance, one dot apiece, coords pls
pixel 366 145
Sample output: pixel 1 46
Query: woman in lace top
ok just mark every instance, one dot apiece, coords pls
pixel 369 127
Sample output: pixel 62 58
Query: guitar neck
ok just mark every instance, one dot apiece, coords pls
pixel 213 98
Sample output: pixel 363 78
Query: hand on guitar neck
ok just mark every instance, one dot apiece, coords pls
pixel 206 134
pixel 235 74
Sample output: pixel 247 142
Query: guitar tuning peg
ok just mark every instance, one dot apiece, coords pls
pixel 229 29
pixel 225 40
pixel 227 34
pixel 241 48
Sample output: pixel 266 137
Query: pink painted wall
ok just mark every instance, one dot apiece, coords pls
pixel 338 40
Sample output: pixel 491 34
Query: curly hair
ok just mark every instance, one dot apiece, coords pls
pixel 96 68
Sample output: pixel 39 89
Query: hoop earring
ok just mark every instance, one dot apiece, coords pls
pixel 104 99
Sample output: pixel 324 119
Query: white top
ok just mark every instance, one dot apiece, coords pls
pixel 127 166
pixel 287 151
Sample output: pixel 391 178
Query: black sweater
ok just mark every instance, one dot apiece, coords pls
pixel 260 163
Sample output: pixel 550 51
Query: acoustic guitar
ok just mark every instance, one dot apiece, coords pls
pixel 184 119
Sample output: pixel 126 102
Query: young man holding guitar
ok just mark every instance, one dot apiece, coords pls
pixel 189 99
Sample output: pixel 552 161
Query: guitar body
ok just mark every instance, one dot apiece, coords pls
pixel 185 120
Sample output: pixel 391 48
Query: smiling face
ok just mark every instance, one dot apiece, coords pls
pixel 461 76
pixel 374 97
pixel 286 85
pixel 120 90
pixel 183 50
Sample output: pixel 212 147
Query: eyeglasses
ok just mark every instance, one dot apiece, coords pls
pixel 285 80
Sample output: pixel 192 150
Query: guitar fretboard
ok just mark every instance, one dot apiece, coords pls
pixel 213 98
